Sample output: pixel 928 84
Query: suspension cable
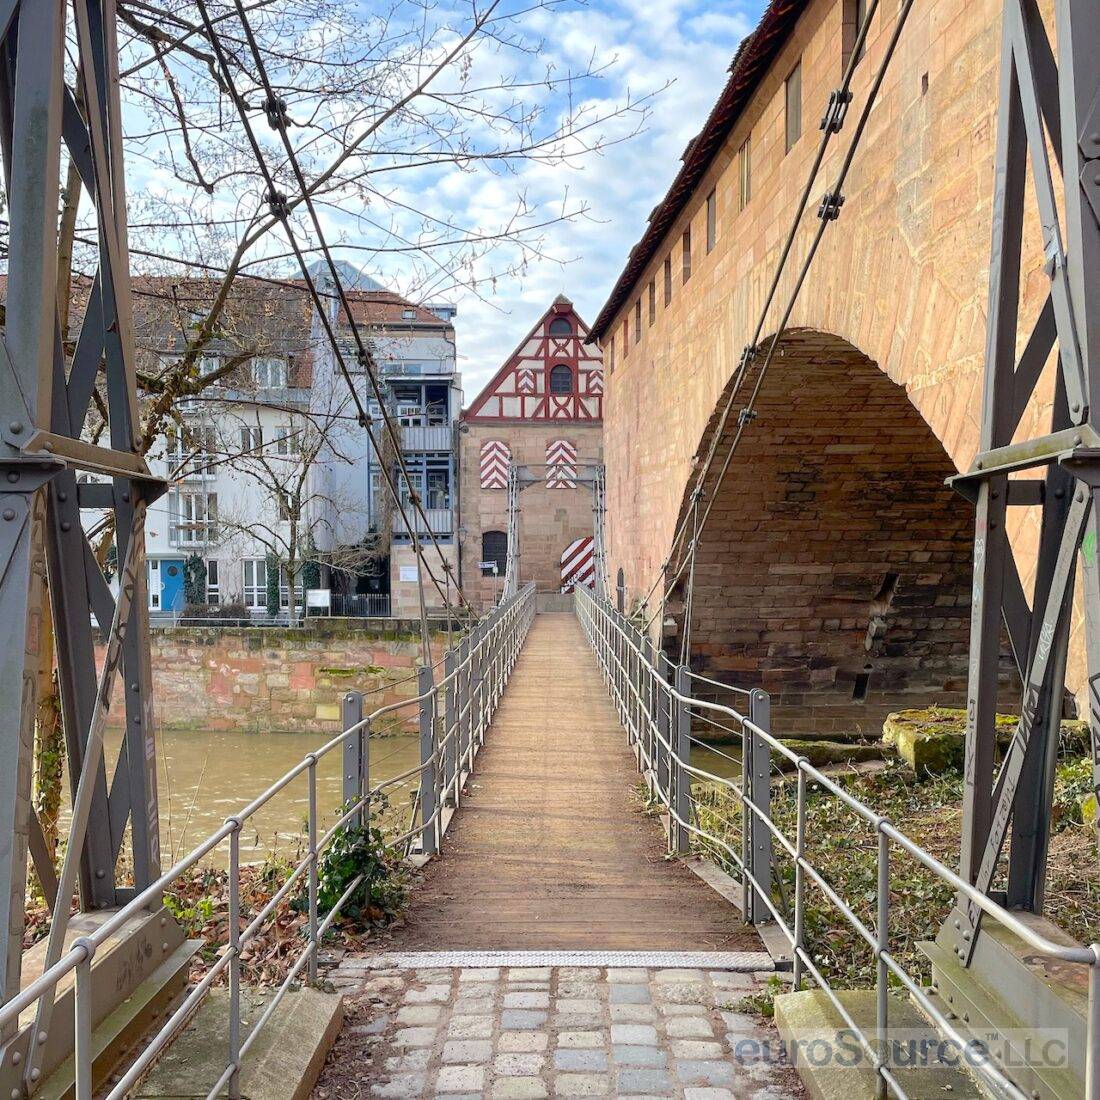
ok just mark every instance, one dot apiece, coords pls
pixel 831 124
pixel 281 208
pixel 828 212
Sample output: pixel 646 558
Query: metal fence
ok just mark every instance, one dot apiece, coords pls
pixel 454 704
pixel 657 703
pixel 369 605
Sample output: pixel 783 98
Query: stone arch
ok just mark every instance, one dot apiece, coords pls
pixel 835 568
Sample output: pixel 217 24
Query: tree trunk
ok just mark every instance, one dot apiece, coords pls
pixel 49 736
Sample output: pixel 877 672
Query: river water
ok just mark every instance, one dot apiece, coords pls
pixel 204 776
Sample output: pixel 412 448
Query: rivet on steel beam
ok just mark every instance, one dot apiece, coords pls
pixel 9 513
pixel 35 1073
pixel 15 427
pixel 66 526
pixel 101 873
pixel 13 477
pixel 41 1037
pixel 16 1058
pixel 62 496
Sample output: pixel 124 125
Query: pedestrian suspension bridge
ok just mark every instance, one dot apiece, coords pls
pixel 603 883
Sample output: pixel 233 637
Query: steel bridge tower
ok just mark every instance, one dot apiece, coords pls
pixel 52 437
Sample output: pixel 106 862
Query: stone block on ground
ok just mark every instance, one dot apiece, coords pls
pixel 932 740
pixel 283 1064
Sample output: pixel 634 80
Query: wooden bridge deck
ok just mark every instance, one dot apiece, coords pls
pixel 549 849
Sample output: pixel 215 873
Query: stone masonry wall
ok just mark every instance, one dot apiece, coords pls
pixel 902 276
pixel 260 680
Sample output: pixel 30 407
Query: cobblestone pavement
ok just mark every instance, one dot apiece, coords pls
pixel 543 1031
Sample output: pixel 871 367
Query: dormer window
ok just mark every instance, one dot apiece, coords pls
pixel 269 374
pixel 408 314
pixel 561 379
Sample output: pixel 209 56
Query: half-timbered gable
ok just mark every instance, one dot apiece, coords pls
pixel 552 375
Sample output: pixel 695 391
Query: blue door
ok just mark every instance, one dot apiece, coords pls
pixel 171 584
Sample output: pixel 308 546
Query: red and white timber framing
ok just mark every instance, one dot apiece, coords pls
pixel 561 464
pixel 578 564
pixel 521 389
pixel 495 456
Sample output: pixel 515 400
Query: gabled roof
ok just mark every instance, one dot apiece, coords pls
pixel 749 66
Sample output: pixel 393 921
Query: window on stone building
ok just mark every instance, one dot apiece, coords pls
pixel 494 553
pixel 620 592
pixel 744 173
pixel 668 279
pixel 213 586
pixel 712 220
pixel 626 337
pixel 793 89
pixel 685 249
pixel 637 320
pixel 855 14
pixel 652 301
pixel 561 379
pixel 561 326
pixel 611 354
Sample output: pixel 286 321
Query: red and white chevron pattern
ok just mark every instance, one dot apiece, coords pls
pixel 495 456
pixel 561 464
pixel 578 564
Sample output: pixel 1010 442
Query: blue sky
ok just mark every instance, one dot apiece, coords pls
pixel 672 54
pixel 685 42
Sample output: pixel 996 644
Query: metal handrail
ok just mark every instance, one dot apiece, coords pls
pixel 645 698
pixel 498 638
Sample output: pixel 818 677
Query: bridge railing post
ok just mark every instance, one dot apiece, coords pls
pixel 477 693
pixel 449 738
pixel 426 688
pixel 663 704
pixel 756 840
pixel 681 728
pixel 465 709
pixel 356 755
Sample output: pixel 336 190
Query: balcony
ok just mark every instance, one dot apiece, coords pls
pixel 427 437
pixel 440 522
pixel 192 535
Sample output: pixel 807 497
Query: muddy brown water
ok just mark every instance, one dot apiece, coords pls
pixel 204 776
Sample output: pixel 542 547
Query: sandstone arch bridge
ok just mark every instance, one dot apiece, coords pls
pixel 824 570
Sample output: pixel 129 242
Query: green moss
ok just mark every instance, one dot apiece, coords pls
pixel 932 740
pixel 821 753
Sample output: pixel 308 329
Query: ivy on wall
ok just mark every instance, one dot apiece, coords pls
pixel 273 585
pixel 194 580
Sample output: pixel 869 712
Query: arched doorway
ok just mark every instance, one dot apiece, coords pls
pixel 834 571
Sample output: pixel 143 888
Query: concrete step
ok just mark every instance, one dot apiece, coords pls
pixel 283 1063
pixel 833 1066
